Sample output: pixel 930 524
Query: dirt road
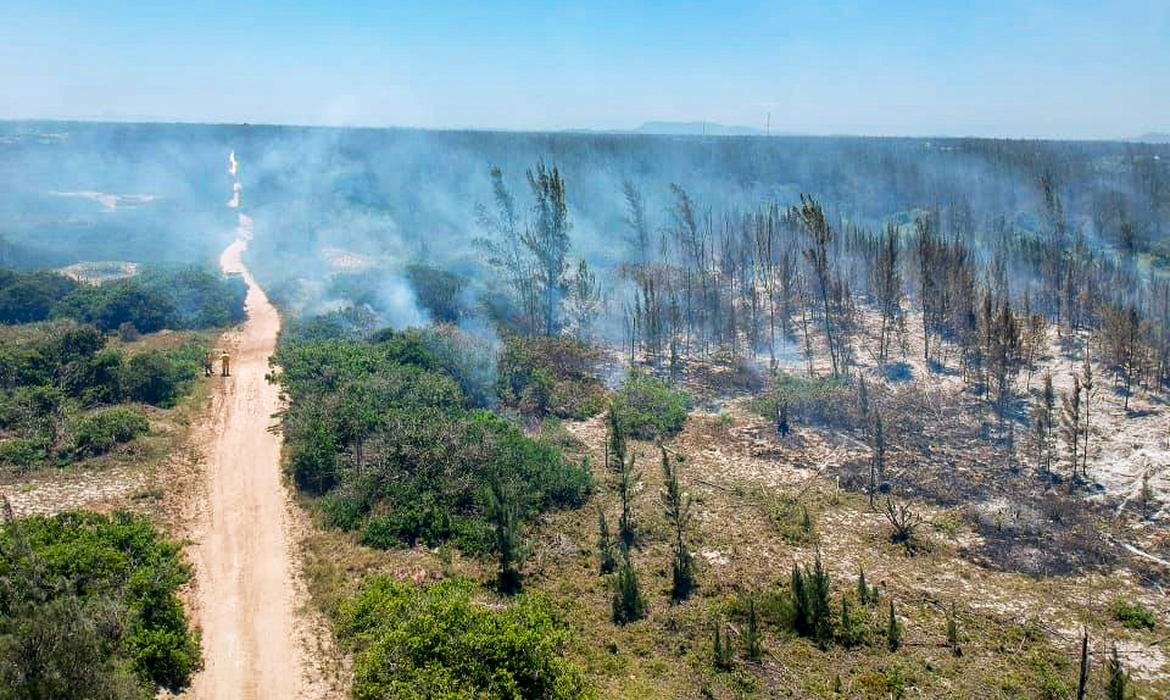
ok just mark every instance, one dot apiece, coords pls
pixel 242 558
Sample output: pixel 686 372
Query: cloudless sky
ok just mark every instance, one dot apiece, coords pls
pixel 1069 69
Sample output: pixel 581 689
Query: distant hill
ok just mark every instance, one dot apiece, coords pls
pixel 1152 137
pixel 696 129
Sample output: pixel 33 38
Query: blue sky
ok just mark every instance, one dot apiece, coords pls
pixel 1055 69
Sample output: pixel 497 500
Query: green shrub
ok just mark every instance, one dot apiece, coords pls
pixel 159 377
pixel 382 430
pixel 29 297
pixel 628 604
pixel 88 608
pixel 94 380
pixel 556 376
pixel 811 401
pixel 1133 614
pixel 99 432
pixel 157 299
pixel 22 454
pixel 437 642
pixel 649 408
pixel 439 291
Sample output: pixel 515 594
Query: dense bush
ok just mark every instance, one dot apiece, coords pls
pixel 159 377
pixel 1133 615
pixel 109 305
pixel 439 291
pixel 351 323
pixel 99 432
pixel 53 376
pixel 437 642
pixel 556 376
pixel 157 299
pixel 20 454
pixel 88 608
pixel 384 430
pixel 649 408
pixel 29 297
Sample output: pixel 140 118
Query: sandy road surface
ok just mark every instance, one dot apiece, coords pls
pixel 243 564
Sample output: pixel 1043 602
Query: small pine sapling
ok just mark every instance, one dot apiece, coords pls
pixel 893 630
pixel 753 638
pixel 605 544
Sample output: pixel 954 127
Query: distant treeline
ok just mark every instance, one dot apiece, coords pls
pixel 177 299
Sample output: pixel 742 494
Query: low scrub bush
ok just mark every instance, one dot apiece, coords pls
pixel 541 376
pixel 159 377
pixel 438 642
pixel 384 431
pixel 439 291
pixel 99 432
pixel 1132 614
pixel 157 299
pixel 88 608
pixel 20 454
pixel 649 408
pixel 812 401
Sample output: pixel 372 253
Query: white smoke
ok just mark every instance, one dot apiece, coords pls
pixel 234 171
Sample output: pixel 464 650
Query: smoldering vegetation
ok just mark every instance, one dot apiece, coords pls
pixel 937 336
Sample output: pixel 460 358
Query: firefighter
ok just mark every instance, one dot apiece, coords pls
pixel 225 363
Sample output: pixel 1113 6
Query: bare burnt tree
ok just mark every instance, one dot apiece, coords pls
pixel 827 287
pixel 887 289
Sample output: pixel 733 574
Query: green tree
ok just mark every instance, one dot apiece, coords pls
pixel 629 605
pixel 677 505
pixel 620 463
pixel 510 547
pixel 548 239
pixel 584 303
pixel 605 544
pixel 893 629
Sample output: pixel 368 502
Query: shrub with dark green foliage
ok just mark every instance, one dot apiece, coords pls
pixel 29 297
pixel 893 629
pixel 439 291
pixel 1133 614
pixel 723 652
pixel 351 323
pixel 438 642
pixel 88 608
pixel 383 430
pixel 811 613
pixel 469 360
pixel 52 373
pixel 629 605
pixel 109 305
pixel 159 377
pixel 21 454
pixel 556 376
pixel 99 432
pixel 157 299
pixel 649 408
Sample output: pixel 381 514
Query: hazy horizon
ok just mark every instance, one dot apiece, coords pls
pixel 1002 70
